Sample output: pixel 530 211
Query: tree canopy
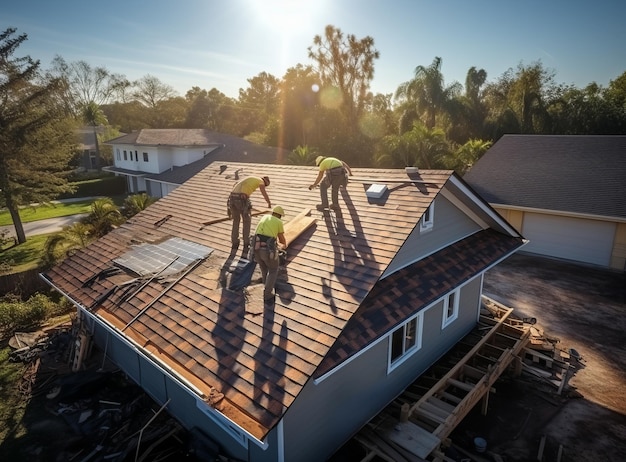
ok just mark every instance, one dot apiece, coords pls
pixel 324 107
pixel 36 137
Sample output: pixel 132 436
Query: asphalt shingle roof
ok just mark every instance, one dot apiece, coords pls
pixel 226 148
pixel 260 357
pixel 577 174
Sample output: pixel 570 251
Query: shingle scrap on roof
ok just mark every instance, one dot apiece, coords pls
pixel 260 357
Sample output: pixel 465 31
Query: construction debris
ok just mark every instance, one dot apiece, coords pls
pixel 102 415
pixel 419 423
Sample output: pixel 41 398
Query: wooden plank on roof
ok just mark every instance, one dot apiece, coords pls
pixel 299 224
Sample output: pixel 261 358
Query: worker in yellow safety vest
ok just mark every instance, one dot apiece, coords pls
pixel 333 173
pixel 240 208
pixel 268 235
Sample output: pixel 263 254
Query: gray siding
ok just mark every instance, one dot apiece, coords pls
pixel 449 225
pixel 326 415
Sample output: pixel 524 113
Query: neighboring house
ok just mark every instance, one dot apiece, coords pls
pixel 157 161
pixel 367 300
pixel 566 194
pixel 88 147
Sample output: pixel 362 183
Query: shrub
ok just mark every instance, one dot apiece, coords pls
pixel 106 186
pixel 16 315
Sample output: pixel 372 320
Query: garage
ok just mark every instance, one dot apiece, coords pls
pixel 583 240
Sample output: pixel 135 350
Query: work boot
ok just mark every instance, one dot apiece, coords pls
pixel 335 207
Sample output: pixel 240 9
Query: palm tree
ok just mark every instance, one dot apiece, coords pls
pixel 135 203
pixel 467 154
pixel 426 93
pixel 104 216
pixel 419 147
pixel 93 116
pixel 301 155
pixel 60 245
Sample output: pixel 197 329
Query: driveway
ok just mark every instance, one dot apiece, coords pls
pixel 51 225
pixel 584 308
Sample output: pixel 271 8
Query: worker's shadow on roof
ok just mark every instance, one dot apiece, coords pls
pixel 351 252
pixel 269 362
pixel 230 319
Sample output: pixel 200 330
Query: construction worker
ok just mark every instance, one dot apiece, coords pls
pixel 240 207
pixel 332 173
pixel 268 232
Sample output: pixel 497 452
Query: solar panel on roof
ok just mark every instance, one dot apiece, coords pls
pixel 169 257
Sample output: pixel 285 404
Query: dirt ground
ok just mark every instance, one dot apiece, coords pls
pixel 584 308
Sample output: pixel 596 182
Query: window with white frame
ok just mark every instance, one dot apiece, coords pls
pixel 450 308
pixel 426 223
pixel 136 157
pixel 145 157
pixel 125 155
pixel 117 152
pixel 405 341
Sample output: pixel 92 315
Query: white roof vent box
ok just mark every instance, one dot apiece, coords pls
pixel 411 170
pixel 376 191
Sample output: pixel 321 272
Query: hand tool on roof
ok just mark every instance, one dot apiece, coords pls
pixel 219 220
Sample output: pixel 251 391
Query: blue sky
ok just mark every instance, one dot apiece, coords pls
pixel 222 43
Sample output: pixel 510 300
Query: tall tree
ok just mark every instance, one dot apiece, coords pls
pixel 259 102
pixel 86 84
pixel 518 101
pixel 150 91
pixel 419 147
pixel 93 116
pixel 345 64
pixel 297 114
pixel 36 134
pixel 426 94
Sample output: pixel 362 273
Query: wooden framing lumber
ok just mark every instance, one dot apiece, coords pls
pixel 299 224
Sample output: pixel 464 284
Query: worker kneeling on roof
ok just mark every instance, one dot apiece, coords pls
pixel 240 207
pixel 269 233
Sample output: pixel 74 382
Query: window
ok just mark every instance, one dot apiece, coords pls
pixel 405 341
pixel 117 154
pixel 145 157
pixel 426 223
pixel 125 155
pixel 136 157
pixel 450 308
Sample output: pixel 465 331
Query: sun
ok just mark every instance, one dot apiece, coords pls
pixel 289 16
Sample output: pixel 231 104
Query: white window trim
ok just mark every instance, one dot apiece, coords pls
pixel 427 225
pixel 447 320
pixel 411 351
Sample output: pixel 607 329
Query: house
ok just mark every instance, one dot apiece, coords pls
pixel 157 161
pixel 566 194
pixel 367 300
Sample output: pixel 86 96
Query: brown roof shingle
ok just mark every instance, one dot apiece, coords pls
pixel 260 356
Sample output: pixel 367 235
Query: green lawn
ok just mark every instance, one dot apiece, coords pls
pixel 25 256
pixel 41 212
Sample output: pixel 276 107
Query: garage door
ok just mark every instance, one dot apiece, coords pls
pixel 587 241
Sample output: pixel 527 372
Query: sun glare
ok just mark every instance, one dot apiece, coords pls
pixel 288 16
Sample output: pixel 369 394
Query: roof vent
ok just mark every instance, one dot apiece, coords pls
pixel 410 170
pixel 376 191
